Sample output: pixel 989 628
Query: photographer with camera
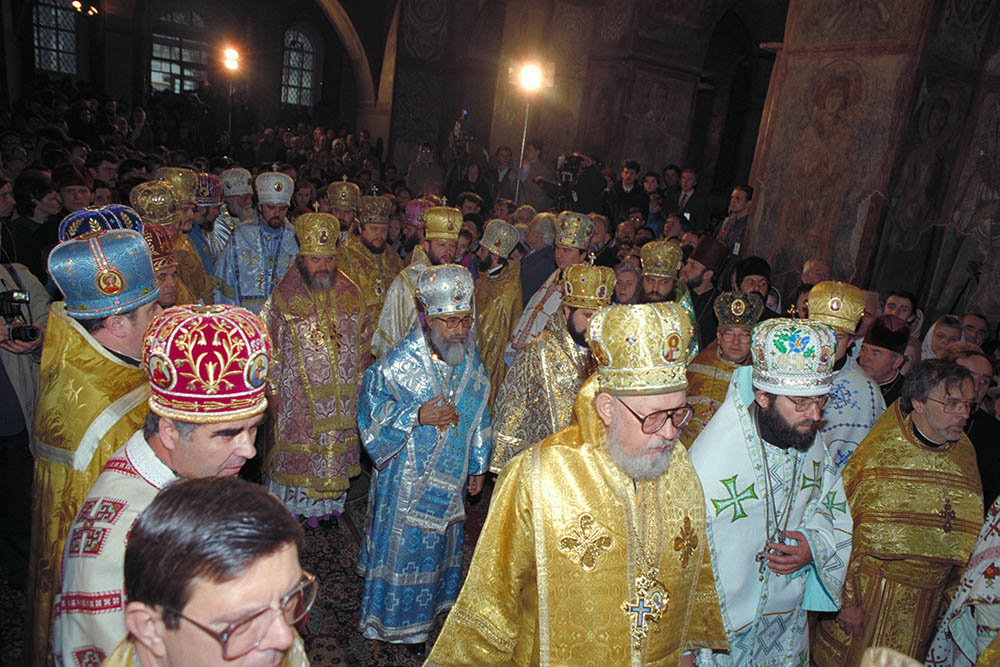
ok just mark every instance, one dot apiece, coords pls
pixel 579 185
pixel 24 310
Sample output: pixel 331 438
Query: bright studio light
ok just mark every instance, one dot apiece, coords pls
pixel 232 59
pixel 531 77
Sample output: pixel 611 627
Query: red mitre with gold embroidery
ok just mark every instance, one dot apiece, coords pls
pixel 161 246
pixel 207 364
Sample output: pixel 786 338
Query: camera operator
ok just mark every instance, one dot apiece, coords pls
pixel 579 185
pixel 24 306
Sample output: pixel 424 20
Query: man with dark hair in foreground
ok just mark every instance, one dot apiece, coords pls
pixel 210 555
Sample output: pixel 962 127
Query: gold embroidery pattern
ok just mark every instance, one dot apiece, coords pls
pixel 586 542
pixel 686 542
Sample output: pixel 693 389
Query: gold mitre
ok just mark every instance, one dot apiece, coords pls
pixel 343 194
pixel 317 234
pixel 836 304
pixel 586 286
pixel 661 259
pixel 185 182
pixel 574 229
pixel 442 223
pixel 156 202
pixel 500 237
pixel 641 349
pixel 372 210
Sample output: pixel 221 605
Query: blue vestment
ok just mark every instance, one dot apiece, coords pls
pixel 411 552
pixel 252 264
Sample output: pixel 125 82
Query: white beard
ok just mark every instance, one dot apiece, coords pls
pixel 635 466
pixel 452 352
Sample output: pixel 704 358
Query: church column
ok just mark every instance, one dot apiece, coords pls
pixel 843 87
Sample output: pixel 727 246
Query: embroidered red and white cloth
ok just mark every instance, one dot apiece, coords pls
pixel 89 610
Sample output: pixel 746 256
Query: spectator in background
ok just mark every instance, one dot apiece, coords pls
pixel 38 206
pixel 974 328
pixel 945 331
pixel 692 206
pixel 75 187
pixel 540 262
pixel 422 170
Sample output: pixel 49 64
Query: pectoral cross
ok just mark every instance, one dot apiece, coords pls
pixel 759 557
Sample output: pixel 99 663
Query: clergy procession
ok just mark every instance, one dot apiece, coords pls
pixel 482 430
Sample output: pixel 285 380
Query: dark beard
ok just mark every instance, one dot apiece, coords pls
pixel 485 264
pixel 650 298
pixel 579 337
pixel 775 430
pixel 410 242
pixel 371 248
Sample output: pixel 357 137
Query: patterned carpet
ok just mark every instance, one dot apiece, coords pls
pixel 331 636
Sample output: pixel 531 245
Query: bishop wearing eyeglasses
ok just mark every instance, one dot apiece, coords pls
pixel 594 550
pixel 779 528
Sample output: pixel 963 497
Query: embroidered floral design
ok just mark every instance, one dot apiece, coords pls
pixel 686 542
pixel 586 542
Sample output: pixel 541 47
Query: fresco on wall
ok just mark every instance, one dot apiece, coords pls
pixel 657 127
pixel 825 22
pixel 824 159
pixel 968 261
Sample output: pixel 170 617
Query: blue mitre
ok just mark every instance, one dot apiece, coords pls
pixel 104 274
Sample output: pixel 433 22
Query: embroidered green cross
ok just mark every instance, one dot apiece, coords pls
pixel 735 499
pixel 812 481
pixel 831 505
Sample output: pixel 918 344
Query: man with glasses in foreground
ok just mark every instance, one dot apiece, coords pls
pixel 213 578
pixel 594 548
pixel 207 368
pixel 779 530
pixel 915 494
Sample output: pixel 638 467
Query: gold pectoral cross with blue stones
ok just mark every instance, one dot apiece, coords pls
pixel 646 606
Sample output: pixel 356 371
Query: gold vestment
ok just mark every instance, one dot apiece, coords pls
pixel 538 391
pixel 498 307
pixel 372 273
pixel 917 513
pixel 558 555
pixel 90 402
pixel 191 271
pixel 708 381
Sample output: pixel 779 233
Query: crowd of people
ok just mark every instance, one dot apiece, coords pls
pixel 690 467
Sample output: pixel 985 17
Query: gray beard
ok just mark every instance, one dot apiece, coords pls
pixel 634 466
pixel 453 353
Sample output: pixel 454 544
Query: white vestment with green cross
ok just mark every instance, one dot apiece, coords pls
pixel 766 619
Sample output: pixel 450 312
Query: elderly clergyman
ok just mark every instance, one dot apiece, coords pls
pixel 423 420
pixel 594 550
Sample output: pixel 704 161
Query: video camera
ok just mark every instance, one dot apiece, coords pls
pixel 568 167
pixel 10 310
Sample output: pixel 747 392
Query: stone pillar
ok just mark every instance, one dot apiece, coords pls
pixel 940 237
pixel 841 93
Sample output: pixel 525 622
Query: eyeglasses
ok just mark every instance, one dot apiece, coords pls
pixel 453 322
pixel 654 421
pixel 953 406
pixel 244 635
pixel 804 403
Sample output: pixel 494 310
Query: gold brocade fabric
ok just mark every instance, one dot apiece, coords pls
pixel 124 655
pixel 538 391
pixel 498 307
pixel 991 656
pixel 708 381
pixel 192 271
pixel 555 561
pixel 89 403
pixel 917 513
pixel 372 273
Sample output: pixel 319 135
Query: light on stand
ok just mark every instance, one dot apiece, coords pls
pixel 531 77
